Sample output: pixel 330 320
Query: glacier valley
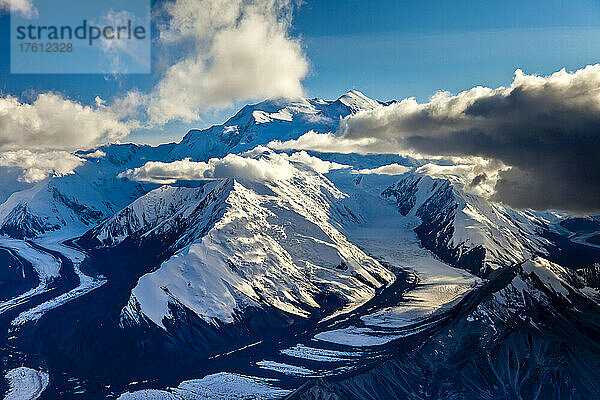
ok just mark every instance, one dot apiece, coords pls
pixel 223 267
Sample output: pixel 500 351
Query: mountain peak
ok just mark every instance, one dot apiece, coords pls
pixel 356 101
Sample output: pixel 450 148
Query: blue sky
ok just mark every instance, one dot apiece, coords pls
pixel 396 49
pixel 84 56
pixel 387 49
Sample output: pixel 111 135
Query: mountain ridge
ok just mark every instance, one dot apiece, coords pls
pixel 359 274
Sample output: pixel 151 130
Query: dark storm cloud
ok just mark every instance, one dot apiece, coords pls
pixel 479 179
pixel 546 128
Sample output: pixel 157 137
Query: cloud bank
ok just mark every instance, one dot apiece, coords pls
pixel 259 164
pixel 53 122
pixel 36 138
pixel 547 128
pixel 477 175
pixel 315 163
pixel 390 169
pixel 230 166
pixel 23 7
pixel 36 166
pixel 236 50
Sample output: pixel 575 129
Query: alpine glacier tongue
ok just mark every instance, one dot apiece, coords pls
pixel 466 229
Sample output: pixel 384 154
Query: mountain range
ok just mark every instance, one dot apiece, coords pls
pixel 218 268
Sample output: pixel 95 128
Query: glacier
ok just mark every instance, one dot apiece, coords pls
pixel 261 273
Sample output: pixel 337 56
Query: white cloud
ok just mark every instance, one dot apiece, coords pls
pixel 117 47
pixel 238 50
pixel 315 163
pixel 36 138
pixel 93 154
pixel 390 169
pixel 53 122
pixel 546 128
pixel 130 105
pixel 231 166
pixel 328 143
pixel 476 174
pixel 23 7
pixel 36 166
pixel 258 164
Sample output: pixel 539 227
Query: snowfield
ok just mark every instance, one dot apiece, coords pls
pixel 25 383
pixel 286 369
pixel 221 386
pixel 288 265
pixel 277 243
pixel 316 354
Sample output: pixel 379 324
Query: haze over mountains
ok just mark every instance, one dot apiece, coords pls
pixel 227 264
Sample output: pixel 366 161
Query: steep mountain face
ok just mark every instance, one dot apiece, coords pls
pixel 285 267
pixel 178 213
pixel 270 120
pixel 253 244
pixel 465 229
pixel 529 334
pixel 52 205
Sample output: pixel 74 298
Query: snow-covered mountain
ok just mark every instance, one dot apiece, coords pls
pixel 466 229
pixel 52 204
pixel 388 273
pixel 527 334
pixel 241 243
pixel 76 202
pixel 261 123
pixel 178 213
